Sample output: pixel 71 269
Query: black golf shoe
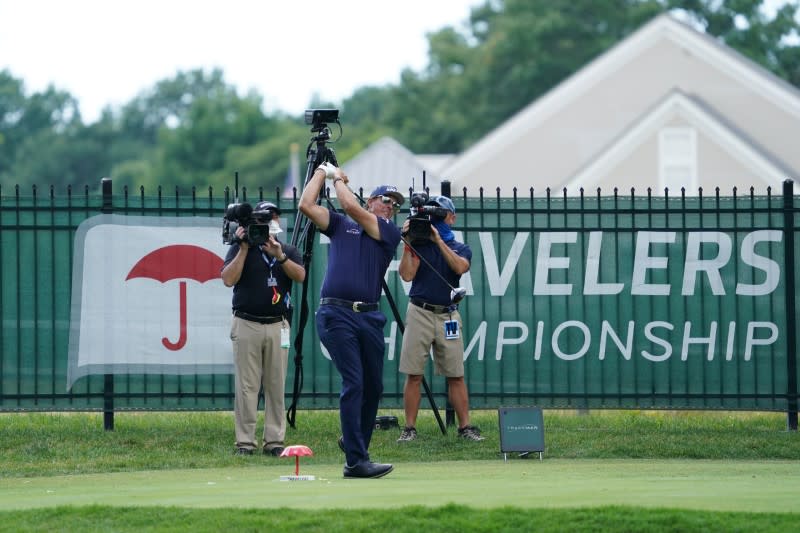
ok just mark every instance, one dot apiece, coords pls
pixel 367 470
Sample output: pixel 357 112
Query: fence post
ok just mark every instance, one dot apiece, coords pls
pixel 108 379
pixel 791 311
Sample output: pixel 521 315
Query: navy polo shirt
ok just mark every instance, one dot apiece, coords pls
pixel 251 294
pixel 427 285
pixel 356 261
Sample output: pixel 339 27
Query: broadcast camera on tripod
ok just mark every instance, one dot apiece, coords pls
pixel 317 153
pixel 319 119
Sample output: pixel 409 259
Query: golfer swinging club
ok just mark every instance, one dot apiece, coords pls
pixel 349 322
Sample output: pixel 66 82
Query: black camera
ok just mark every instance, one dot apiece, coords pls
pixel 319 119
pixel 254 221
pixel 421 214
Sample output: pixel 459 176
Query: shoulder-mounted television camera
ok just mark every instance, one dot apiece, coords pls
pixel 421 214
pixel 255 221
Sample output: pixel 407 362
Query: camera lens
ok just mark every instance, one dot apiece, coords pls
pixel 257 234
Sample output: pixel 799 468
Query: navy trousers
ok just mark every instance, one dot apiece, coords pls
pixel 356 345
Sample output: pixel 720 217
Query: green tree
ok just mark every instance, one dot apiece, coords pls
pixel 192 130
pixel 264 165
pixel 744 25
pixel 41 137
pixel 12 104
pixel 511 52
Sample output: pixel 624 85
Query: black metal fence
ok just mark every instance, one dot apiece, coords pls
pixel 567 304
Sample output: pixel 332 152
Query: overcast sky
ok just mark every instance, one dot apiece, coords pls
pixel 107 51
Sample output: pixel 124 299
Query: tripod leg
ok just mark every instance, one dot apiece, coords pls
pixel 402 328
pixel 303 235
pixel 433 406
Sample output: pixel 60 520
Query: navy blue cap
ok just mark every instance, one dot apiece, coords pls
pixel 262 208
pixel 443 201
pixel 389 190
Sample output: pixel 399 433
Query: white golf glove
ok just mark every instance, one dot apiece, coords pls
pixel 328 169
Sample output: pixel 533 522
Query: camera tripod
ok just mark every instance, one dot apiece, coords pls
pixel 318 153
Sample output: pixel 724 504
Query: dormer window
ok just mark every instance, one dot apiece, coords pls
pixel 677 160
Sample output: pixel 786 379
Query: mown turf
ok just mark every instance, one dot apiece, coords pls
pixel 36 444
pixel 605 471
pixel 449 518
pixel 756 486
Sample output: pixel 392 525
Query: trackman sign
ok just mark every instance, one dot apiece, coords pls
pixel 147 297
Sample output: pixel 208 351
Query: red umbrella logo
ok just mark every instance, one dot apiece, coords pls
pixel 178 261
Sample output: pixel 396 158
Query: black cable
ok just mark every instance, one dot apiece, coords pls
pixel 402 328
pixel 425 386
pixel 456 294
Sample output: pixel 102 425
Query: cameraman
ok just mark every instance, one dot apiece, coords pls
pixel 433 320
pixel 261 277
pixel 349 321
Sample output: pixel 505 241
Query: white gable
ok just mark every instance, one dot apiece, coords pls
pixel 560 137
pixel 677 104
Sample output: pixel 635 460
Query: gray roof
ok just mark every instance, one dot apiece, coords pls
pixel 386 161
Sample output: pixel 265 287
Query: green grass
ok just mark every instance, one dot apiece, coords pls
pixel 608 470
pixel 41 444
pixel 450 518
pixel 752 486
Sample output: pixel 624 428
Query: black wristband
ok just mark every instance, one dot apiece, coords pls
pixel 285 258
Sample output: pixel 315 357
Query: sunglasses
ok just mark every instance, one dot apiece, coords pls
pixel 388 200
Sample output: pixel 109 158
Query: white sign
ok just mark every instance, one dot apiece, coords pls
pixel 147 297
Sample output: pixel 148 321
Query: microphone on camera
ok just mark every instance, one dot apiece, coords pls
pixel 245 210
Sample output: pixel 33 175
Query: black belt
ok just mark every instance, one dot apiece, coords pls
pixel 259 319
pixel 358 307
pixel 434 308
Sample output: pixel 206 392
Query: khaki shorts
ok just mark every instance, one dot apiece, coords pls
pixel 425 329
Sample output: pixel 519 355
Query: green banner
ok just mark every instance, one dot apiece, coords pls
pixel 605 302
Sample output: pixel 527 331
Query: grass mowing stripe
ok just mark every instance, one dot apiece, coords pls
pixel 756 486
pixel 412 519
